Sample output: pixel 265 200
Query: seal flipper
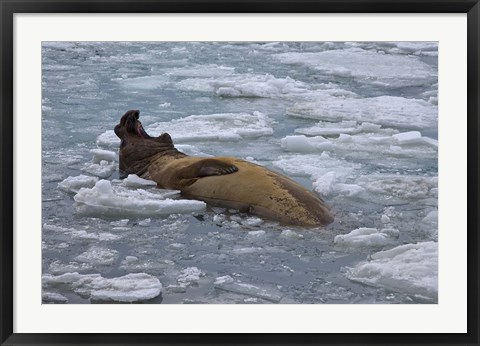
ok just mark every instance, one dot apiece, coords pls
pixel 208 167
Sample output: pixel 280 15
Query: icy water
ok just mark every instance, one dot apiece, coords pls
pixel 355 122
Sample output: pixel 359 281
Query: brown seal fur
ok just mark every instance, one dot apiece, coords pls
pixel 219 181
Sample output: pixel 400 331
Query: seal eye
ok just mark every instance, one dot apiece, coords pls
pixel 137 114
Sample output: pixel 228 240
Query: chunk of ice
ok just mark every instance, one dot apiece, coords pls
pixel 255 234
pixel 246 250
pixel 144 83
pixel 315 166
pixel 145 222
pixel 189 276
pixel 270 294
pixel 348 190
pixel 245 85
pixel 410 269
pixel 385 219
pixel 408 137
pixel 252 221
pixel 74 184
pixel 134 181
pixel 52 297
pixel 392 187
pixel 98 256
pixel 325 185
pixel 127 289
pixel 104 199
pixel 58 267
pixel 108 139
pixel 390 70
pixel 367 237
pixel 103 169
pixel 297 143
pixel 211 70
pixel 215 127
pixel 100 155
pixel 223 280
pixel 288 233
pixel 390 111
pixel 120 223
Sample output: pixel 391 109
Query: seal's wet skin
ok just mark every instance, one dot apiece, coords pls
pixel 220 181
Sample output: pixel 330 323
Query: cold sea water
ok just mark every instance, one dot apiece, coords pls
pixel 355 122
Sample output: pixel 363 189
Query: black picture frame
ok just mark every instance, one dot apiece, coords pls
pixel 9 7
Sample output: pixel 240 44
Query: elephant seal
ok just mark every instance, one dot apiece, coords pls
pixel 219 181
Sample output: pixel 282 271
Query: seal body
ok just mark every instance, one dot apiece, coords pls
pixel 219 181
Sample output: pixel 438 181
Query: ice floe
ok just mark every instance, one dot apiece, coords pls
pixel 386 143
pixel 379 188
pixel 103 169
pixel 389 111
pixel 226 283
pixel 189 276
pixel 315 165
pixel 392 188
pixel 390 70
pixel 410 269
pixel 108 139
pixel 74 184
pixel 215 127
pixel 97 255
pixel 211 70
pixel 349 127
pixel 52 297
pixel 144 83
pixel 415 48
pixel 81 234
pixel 59 267
pixel 244 85
pixel 103 164
pixel 288 233
pixel 368 237
pixel 209 127
pixel 104 199
pixel 130 288
pixel 100 155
